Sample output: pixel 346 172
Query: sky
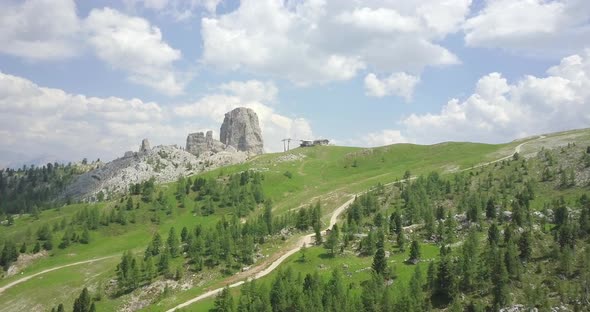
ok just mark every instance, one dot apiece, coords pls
pixel 90 79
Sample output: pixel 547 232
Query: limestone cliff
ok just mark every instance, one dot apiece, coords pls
pixel 241 130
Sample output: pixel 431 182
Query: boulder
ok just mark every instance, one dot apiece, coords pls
pixel 241 130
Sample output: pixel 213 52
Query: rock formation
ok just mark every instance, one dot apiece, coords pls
pixel 163 163
pixel 241 130
pixel 240 138
pixel 199 143
pixel 145 146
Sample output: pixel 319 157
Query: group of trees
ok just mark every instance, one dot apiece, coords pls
pixel 31 189
pixel 230 244
pixel 84 303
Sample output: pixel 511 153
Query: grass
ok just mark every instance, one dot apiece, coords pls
pixel 328 173
pixel 355 269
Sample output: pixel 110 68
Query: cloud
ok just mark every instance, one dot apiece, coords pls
pixel 400 84
pixel 499 111
pixel 319 41
pixel 252 90
pixel 39 29
pixel 37 120
pixel 134 45
pixel 251 94
pixel 530 26
pixel 384 137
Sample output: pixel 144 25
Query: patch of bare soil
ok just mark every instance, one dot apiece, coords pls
pixel 23 261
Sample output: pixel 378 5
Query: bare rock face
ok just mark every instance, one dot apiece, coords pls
pixel 145 146
pixel 199 143
pixel 163 163
pixel 241 130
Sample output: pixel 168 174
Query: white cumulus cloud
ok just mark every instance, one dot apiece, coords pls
pixel 400 84
pixel 134 45
pixel 499 111
pixel 318 41
pixel 39 29
pixel 37 120
pixel 531 26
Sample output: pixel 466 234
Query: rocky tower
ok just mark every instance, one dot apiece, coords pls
pixel 199 143
pixel 241 130
pixel 145 146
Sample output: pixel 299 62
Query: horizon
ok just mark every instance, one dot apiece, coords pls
pixel 91 79
pixel 18 166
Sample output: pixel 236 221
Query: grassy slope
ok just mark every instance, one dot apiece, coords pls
pixel 325 172
pixel 318 260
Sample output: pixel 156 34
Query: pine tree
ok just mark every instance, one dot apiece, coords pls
pixel 23 248
pixel 60 308
pixel 491 209
pixel 172 243
pixel 318 235
pixel 184 234
pixel 268 216
pixel 85 239
pixel 416 292
pixel 164 264
pixel 379 262
pixel 499 281
pixel 493 234
pixel 511 260
pixel 8 255
pixel 82 303
pixel 333 240
pixel 524 245
pixel 129 204
pixel 37 247
pixel 224 302
pixel 401 241
pixel 415 253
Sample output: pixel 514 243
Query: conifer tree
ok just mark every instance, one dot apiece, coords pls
pixel 83 302
pixel 379 262
pixel 415 253
pixel 333 240
pixel 172 243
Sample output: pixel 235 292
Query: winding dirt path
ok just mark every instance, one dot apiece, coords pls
pixel 26 278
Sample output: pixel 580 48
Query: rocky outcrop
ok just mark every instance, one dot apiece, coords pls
pixel 240 137
pixel 241 130
pixel 145 146
pixel 199 143
pixel 163 163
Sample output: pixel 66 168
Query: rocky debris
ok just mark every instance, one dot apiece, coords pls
pixel 163 163
pixel 23 261
pixel 148 294
pixel 145 146
pixel 241 130
pixel 199 143
pixel 290 157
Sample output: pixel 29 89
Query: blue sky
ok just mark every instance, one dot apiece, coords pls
pixel 92 78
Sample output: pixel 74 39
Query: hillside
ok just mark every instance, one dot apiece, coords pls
pixel 262 207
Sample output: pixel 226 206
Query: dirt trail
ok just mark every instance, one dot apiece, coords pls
pixel 26 278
